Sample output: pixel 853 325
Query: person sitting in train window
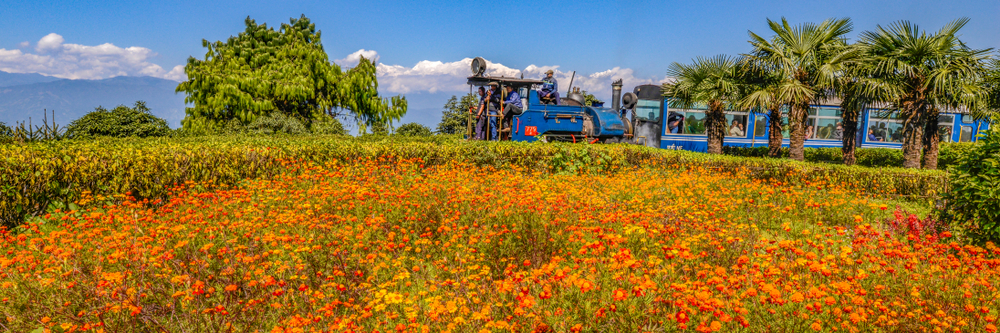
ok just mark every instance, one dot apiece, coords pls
pixel 871 136
pixel 736 129
pixel 550 89
pixel 675 121
pixel 945 134
pixel 838 134
pixel 810 132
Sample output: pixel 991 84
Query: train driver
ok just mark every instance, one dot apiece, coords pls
pixel 550 89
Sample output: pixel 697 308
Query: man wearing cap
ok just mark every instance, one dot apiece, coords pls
pixel 550 89
pixel 480 118
pixel 492 104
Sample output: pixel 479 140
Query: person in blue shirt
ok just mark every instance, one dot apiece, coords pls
pixel 480 115
pixel 492 103
pixel 550 89
pixel 871 136
pixel 512 104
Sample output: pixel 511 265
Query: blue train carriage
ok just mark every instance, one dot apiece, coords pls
pixel 684 129
pixel 571 121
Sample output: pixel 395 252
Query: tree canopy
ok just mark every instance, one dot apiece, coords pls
pixel 455 116
pixel 413 129
pixel 262 70
pixel 715 82
pixel 119 122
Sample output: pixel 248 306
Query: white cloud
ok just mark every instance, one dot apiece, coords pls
pixel 354 58
pixel 24 44
pixel 50 42
pixel 56 58
pixel 435 76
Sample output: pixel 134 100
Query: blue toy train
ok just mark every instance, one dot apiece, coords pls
pixel 642 116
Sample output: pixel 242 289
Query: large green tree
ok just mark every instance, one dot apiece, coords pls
pixel 807 57
pixel 716 83
pixel 455 116
pixel 924 72
pixel 263 70
pixel 762 97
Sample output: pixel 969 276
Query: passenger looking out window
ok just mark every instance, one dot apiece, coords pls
pixel 736 129
pixel 675 122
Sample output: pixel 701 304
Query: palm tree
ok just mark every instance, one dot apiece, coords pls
pixel 920 71
pixel 808 58
pixel 762 96
pixel 714 82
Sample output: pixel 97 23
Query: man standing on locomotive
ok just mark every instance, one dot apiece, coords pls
pixel 550 89
pixel 493 105
pixel 478 110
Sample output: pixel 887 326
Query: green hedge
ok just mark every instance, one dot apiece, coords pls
pixel 35 176
pixel 870 157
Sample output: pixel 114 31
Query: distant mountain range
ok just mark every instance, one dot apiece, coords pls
pixel 27 95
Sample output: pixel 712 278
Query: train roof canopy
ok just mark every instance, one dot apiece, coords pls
pixel 506 81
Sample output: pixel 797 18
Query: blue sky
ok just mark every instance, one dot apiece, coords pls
pixel 632 39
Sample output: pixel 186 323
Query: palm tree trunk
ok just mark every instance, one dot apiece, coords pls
pixel 931 139
pixel 774 132
pixel 913 135
pixel 850 135
pixel 716 126
pixel 797 122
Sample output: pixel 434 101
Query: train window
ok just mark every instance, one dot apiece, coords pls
pixel 736 124
pixel 823 123
pixel 966 135
pixel 648 110
pixel 885 127
pixel 688 122
pixel 945 123
pixel 967 119
pixel 523 92
pixel 760 126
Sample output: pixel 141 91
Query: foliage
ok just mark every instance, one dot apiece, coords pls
pixel 262 71
pixel 277 122
pixel 455 116
pixel 589 99
pixel 805 60
pixel 410 244
pixel 36 175
pixel 413 129
pixel 974 196
pixel 920 73
pixel 716 82
pixel 380 129
pixel 119 122
pixel 328 125
pixel 869 157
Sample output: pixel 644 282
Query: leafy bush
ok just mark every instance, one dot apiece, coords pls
pixel 326 125
pixel 120 122
pixel 413 129
pixel 869 157
pixel 34 176
pixel 973 202
pixel 277 122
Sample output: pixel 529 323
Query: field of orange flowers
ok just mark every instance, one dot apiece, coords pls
pixel 390 246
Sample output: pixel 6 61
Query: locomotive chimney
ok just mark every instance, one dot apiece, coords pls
pixel 616 95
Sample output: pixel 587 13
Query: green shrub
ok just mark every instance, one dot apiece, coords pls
pixel 326 125
pixel 120 122
pixel 35 176
pixel 973 202
pixel 869 157
pixel 413 129
pixel 277 122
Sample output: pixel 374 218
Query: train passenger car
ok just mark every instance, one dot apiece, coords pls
pixel 877 128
